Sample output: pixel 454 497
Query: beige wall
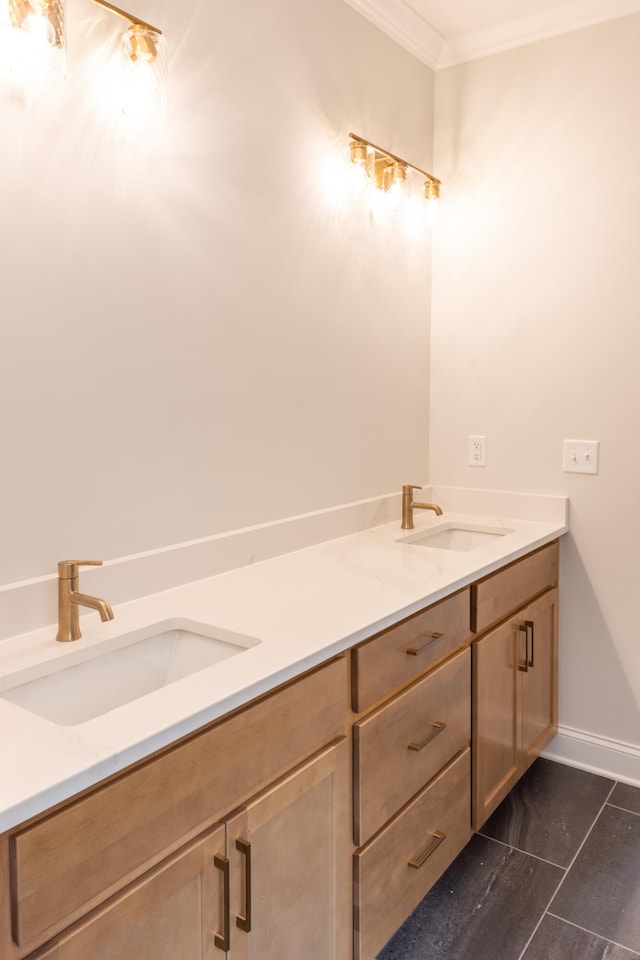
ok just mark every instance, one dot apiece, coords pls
pixel 198 334
pixel 535 333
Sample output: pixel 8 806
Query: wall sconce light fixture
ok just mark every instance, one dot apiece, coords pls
pixel 144 50
pixel 387 171
pixel 41 26
pixel 42 19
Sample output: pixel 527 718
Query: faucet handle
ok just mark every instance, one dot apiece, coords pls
pixel 68 569
pixel 408 487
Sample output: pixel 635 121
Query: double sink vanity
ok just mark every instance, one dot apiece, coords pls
pixel 291 781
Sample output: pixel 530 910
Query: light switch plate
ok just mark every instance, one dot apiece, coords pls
pixel 580 456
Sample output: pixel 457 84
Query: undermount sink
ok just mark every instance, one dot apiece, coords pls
pixel 454 536
pixel 93 680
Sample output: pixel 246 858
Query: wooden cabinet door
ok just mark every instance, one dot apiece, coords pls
pixel 174 911
pixel 539 682
pixel 515 694
pixel 495 721
pixel 290 856
pixel 67 862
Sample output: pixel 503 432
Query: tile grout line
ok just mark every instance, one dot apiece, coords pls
pixel 592 933
pixel 590 830
pixel 566 872
pixel 525 853
pixel 616 806
pixel 543 914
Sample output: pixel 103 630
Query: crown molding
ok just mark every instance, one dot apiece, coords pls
pixel 563 18
pixel 402 21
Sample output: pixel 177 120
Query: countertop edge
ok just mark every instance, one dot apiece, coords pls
pixel 87 757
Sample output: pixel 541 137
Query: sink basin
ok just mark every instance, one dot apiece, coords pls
pixel 453 536
pixel 93 680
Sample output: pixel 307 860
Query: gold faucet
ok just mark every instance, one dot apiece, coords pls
pixel 408 503
pixel 69 600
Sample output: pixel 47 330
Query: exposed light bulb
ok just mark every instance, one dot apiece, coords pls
pixel 143 44
pixel 394 177
pixel 432 213
pixel 393 183
pixel 431 190
pixel 395 192
pixel 38 45
pixel 145 58
pixel 359 153
pixel 363 158
pixel 39 28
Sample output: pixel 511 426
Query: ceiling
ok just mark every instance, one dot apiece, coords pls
pixel 445 32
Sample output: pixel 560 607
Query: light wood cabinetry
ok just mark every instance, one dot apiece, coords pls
pixel 395 657
pixel 64 863
pixel 59 869
pixel 409 740
pixel 272 879
pixel 514 687
pixel 501 593
pixel 168 913
pixel 290 869
pixel 395 870
pixel 411 765
pixel 291 827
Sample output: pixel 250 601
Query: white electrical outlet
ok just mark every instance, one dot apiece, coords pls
pixel 580 456
pixel 476 451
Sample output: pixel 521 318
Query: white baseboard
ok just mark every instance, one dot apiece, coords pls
pixel 609 758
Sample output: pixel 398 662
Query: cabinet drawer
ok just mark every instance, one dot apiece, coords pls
pixel 501 593
pixel 73 859
pixel 398 867
pixel 410 739
pixel 398 655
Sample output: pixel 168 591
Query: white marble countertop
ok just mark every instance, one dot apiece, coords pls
pixel 304 607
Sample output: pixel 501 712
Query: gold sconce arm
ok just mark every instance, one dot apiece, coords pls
pixel 134 21
pixel 382 160
pixel 142 45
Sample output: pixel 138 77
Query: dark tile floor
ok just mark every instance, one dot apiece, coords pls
pixel 554 874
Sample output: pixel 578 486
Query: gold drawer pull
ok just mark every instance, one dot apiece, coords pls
pixel 244 923
pixel 524 667
pixel 429 639
pixel 529 625
pixel 436 840
pixel 528 630
pixel 438 727
pixel 223 940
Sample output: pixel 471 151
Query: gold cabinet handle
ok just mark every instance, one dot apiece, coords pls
pixel 524 667
pixel 436 840
pixel 438 727
pixel 428 640
pixel 244 923
pixel 223 940
pixel 528 624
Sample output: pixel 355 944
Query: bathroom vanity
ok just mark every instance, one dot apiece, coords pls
pixel 179 854
pixel 435 758
pixel 311 819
